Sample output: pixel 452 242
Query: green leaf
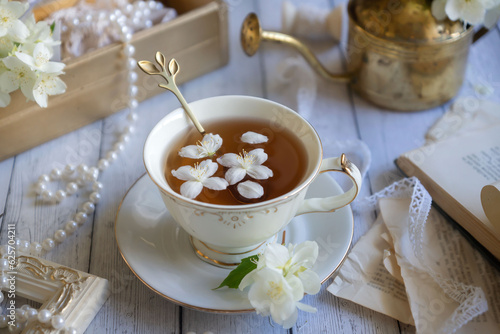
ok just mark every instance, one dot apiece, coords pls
pixel 234 278
pixel 52 27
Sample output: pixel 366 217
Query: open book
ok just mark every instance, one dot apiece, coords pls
pixel 454 171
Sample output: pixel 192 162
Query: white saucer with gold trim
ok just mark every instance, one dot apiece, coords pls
pixel 159 253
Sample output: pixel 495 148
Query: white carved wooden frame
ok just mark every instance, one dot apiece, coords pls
pixel 76 296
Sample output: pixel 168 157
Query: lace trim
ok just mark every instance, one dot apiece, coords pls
pixel 399 189
pixel 471 299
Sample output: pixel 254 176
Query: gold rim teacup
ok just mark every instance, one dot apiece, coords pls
pixel 224 234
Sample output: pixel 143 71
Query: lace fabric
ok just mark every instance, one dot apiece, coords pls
pixel 471 299
pixel 87 26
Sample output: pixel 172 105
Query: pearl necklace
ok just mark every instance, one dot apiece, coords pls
pixel 76 178
pixel 26 314
pixel 83 175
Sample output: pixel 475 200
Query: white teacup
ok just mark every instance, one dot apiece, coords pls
pixel 224 234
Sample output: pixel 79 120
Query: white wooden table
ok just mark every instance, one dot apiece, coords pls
pixel 338 114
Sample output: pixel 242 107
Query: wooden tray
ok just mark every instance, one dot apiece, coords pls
pixel 97 82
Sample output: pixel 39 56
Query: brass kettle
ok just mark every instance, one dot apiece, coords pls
pixel 399 56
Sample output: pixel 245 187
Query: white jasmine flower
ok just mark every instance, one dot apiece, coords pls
pixel 469 11
pixel 198 177
pixel 25 53
pixel 272 294
pixel 251 137
pixel 47 84
pixel 41 60
pixel 40 32
pixel 294 261
pixel 205 148
pixel 245 163
pixel 4 99
pixel 6 46
pixel 250 189
pixel 19 75
pixel 10 12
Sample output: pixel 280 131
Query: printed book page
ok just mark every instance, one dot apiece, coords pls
pixel 462 166
pixel 364 279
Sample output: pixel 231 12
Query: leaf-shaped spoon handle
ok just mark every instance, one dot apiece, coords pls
pixel 160 59
pixel 169 73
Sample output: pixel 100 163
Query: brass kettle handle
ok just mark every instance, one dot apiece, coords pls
pixel 252 35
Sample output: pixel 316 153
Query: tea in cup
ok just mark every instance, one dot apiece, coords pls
pixel 226 224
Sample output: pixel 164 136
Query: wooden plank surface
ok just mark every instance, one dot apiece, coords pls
pixel 334 119
pixel 338 114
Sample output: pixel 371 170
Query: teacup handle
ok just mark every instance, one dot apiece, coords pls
pixel 330 204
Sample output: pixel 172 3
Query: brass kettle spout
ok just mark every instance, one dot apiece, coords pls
pixel 252 35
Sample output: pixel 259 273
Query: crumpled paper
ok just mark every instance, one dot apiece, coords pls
pixel 413 265
pixel 412 252
pixel 372 285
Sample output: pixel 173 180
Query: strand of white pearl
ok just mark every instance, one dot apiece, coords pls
pixel 26 314
pixel 139 15
pixel 85 175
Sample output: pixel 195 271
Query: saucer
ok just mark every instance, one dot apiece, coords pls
pixel 159 253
